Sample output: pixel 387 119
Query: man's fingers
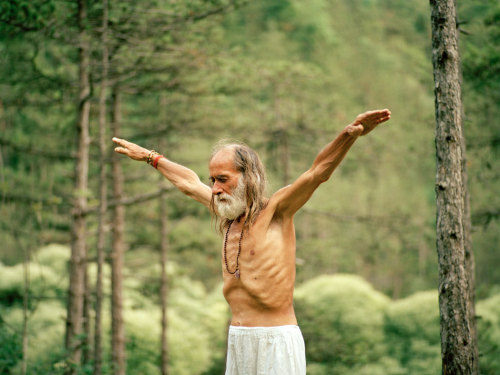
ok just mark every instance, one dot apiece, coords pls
pixel 121 150
pixel 375 117
pixel 121 142
pixel 383 119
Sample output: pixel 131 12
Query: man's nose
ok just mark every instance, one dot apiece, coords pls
pixel 216 189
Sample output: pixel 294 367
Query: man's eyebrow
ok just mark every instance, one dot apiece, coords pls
pixel 218 177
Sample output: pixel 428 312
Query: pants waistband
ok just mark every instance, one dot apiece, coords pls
pixel 263 330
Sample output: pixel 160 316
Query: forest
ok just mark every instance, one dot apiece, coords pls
pixel 283 76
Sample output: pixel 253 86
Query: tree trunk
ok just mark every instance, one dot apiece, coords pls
pixel 163 254
pixel 26 303
pixel 78 240
pixel 87 301
pixel 470 266
pixel 103 202
pixel 456 341
pixel 164 283
pixel 117 326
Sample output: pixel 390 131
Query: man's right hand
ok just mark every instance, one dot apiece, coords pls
pixel 130 149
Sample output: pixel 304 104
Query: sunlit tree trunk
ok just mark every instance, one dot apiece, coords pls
pixel 87 334
pixel 456 341
pixel 78 241
pixel 117 326
pixel 26 302
pixel 103 188
pixel 163 256
pixel 164 283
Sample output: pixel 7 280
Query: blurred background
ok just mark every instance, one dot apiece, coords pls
pixel 284 76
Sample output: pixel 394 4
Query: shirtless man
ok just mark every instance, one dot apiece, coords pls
pixel 258 251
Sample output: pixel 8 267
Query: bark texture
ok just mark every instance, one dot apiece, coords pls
pixel 117 326
pixel 456 341
pixel 164 247
pixel 78 240
pixel 103 192
pixel 164 283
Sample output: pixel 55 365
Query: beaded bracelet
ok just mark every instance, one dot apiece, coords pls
pixel 151 157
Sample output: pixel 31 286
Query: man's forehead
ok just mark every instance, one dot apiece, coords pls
pixel 223 159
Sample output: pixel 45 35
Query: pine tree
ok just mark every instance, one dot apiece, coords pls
pixel 457 344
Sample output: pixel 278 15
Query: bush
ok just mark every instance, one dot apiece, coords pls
pixel 45 335
pixel 44 284
pixel 10 348
pixel 488 326
pixel 412 329
pixel 54 256
pixel 342 319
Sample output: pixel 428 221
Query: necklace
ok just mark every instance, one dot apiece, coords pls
pixel 236 272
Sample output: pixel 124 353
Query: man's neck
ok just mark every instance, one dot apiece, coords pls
pixel 241 217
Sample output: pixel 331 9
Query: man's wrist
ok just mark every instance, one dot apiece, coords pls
pixel 154 158
pixel 354 130
pixel 151 157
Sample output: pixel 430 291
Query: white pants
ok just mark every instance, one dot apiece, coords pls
pixel 265 351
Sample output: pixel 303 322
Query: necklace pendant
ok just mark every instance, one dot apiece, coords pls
pixel 237 274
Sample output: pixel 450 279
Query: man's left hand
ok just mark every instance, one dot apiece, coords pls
pixel 366 122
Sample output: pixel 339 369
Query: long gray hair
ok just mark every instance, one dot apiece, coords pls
pixel 248 162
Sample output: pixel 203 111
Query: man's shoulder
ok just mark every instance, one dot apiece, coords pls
pixel 277 196
pixel 269 214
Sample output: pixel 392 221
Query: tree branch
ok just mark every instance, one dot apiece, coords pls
pixel 131 200
pixel 484 217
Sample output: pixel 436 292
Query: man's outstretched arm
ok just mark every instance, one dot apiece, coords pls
pixel 291 198
pixel 184 179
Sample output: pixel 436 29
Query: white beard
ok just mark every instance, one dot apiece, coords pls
pixel 232 206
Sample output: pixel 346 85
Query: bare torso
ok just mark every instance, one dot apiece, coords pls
pixel 263 294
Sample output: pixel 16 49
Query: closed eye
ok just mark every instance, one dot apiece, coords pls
pixel 220 179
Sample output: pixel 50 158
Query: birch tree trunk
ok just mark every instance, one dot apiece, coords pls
pixel 103 188
pixel 117 326
pixel 456 341
pixel 78 240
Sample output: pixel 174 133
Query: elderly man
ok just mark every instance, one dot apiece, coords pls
pixel 258 251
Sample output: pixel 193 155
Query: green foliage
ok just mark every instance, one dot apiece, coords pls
pixel 45 335
pixel 24 15
pixel 10 350
pixel 285 76
pixel 197 323
pixel 412 328
pixel 342 318
pixel 54 256
pixel 488 311
pixel 481 92
pixel 348 326
pixel 45 283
